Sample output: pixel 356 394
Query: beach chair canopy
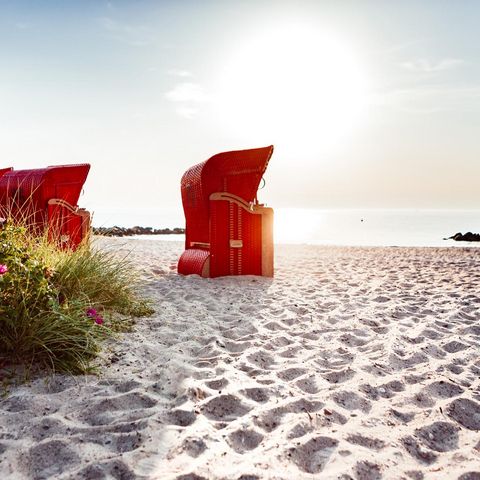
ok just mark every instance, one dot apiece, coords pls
pixel 40 196
pixel 205 188
pixel 36 187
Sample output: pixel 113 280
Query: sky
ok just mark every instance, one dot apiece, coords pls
pixel 369 104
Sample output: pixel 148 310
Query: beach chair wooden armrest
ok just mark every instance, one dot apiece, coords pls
pixel 199 244
pixel 64 204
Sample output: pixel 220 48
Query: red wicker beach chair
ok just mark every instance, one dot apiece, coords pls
pixel 46 198
pixel 227 231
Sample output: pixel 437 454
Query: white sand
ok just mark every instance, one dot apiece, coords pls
pixel 352 363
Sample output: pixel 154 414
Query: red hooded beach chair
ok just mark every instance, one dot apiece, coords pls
pixel 46 199
pixel 227 231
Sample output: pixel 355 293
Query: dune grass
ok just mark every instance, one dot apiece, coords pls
pixel 57 306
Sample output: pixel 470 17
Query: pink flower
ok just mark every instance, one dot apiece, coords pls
pixel 93 314
pixel 3 269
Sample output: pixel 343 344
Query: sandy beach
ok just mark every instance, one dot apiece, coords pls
pixel 352 363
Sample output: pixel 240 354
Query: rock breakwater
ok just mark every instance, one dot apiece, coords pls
pixel 130 231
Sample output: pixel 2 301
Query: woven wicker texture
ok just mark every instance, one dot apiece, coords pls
pixel 216 223
pixel 231 222
pixel 192 261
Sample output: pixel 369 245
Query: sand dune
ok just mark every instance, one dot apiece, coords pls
pixel 353 363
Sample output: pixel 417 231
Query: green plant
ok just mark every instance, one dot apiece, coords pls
pixel 48 296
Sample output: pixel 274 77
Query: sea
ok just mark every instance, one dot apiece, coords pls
pixel 346 227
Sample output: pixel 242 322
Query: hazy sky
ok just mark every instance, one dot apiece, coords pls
pixel 368 103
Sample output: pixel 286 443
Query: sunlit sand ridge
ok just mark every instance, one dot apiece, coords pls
pixel 351 363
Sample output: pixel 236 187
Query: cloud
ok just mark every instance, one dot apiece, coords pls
pixel 180 73
pixel 187 96
pixel 135 35
pixel 187 92
pixel 427 66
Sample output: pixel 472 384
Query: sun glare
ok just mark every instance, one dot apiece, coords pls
pixel 294 225
pixel 295 86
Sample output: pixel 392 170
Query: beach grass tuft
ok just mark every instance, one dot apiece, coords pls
pixel 57 306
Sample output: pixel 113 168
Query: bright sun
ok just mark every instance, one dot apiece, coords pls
pixel 294 86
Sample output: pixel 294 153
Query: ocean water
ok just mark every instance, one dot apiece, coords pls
pixel 350 227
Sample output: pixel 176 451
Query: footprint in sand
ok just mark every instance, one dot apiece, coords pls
pixel 351 401
pixel 127 386
pixel 367 442
pixel 300 430
pixel 48 459
pixel 423 455
pixel 414 474
pixel 454 368
pixel 439 436
pixel 116 469
pixel 48 426
pixel 261 359
pixel 312 456
pixel 291 352
pixel 193 446
pixel 466 412
pixel 423 400
pixel 56 384
pixel 469 476
pixel 181 418
pixel 331 416
pixel 387 390
pixel 15 404
pixel 237 347
pixel 218 384
pixel 444 389
pixel 365 470
pixel 244 440
pixel 308 385
pixel 271 419
pixel 291 373
pixel 224 408
pixel 339 376
pixel 454 346
pixel 130 406
pixel 404 417
pixel 274 326
pixel 260 395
